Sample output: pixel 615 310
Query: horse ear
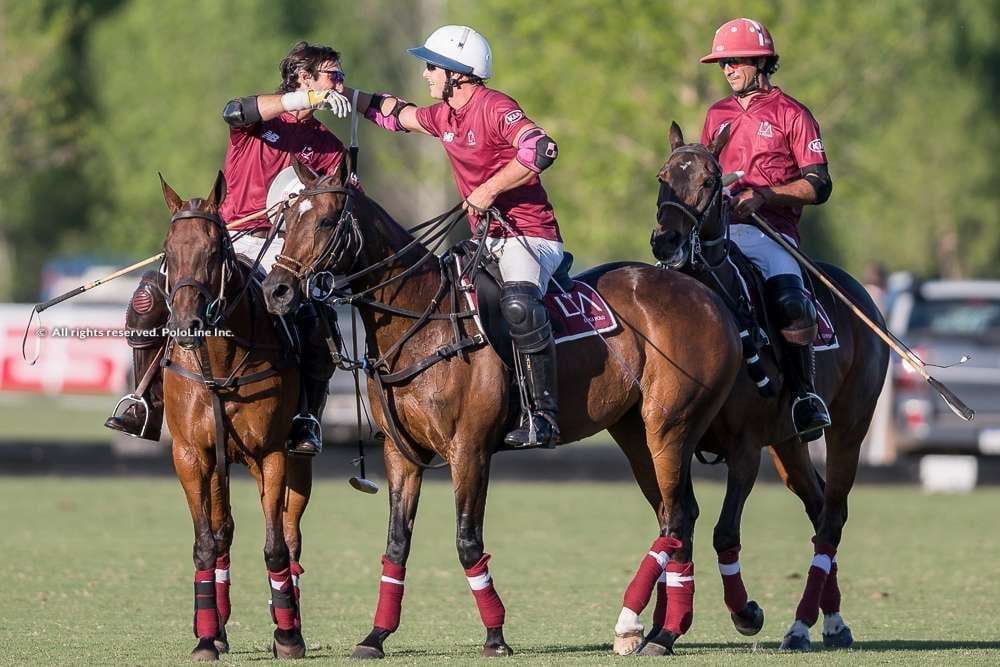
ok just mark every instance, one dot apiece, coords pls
pixel 218 194
pixel 675 136
pixel 174 202
pixel 305 173
pixel 720 141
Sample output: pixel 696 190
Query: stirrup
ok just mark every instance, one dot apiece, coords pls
pixel 823 415
pixel 305 417
pixel 133 399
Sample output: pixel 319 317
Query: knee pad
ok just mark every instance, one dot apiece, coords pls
pixel 147 311
pixel 525 314
pixel 793 309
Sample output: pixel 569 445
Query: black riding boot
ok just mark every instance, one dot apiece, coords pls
pixel 146 314
pixel 306 437
pixel 797 317
pixel 525 313
pixel 540 375
pixel 809 413
pixel 143 418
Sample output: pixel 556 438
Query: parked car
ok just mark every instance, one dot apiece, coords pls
pixel 942 321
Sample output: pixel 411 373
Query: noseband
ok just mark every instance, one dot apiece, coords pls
pixel 345 234
pixel 215 311
pixel 698 217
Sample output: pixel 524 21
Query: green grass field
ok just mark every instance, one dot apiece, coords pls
pixel 98 571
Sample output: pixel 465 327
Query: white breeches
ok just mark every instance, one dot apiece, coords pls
pixel 526 259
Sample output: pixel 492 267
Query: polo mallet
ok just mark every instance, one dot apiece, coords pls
pixel 39 307
pixel 359 482
pixel 897 346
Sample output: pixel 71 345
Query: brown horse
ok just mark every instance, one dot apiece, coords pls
pixel 229 396
pixel 849 379
pixel 655 383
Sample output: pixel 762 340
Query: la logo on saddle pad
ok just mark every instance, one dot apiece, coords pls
pixel 578 313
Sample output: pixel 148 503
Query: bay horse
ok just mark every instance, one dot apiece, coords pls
pixel 691 233
pixel 230 396
pixel 655 383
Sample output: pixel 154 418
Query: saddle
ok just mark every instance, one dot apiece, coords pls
pixel 756 314
pixel 576 310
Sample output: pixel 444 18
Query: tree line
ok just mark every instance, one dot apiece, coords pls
pixel 98 96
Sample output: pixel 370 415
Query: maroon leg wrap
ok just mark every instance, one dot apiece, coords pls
pixel 390 596
pixel 660 610
pixel 491 608
pixel 829 602
pixel 680 601
pixel 222 584
pixel 733 590
pixel 282 598
pixel 641 587
pixel 297 571
pixel 808 609
pixel 206 618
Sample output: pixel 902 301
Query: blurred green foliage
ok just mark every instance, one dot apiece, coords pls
pixel 96 97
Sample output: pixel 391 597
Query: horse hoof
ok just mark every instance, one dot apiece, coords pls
pixel 362 652
pixel 286 647
pixel 497 651
pixel 749 621
pixel 627 643
pixel 205 651
pixel 841 639
pixel 793 642
pixel 221 642
pixel 661 644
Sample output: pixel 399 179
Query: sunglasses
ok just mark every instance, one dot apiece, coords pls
pixel 430 67
pixel 335 74
pixel 735 62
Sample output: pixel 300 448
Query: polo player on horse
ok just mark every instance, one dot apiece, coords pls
pixel 775 142
pixel 267 132
pixel 497 154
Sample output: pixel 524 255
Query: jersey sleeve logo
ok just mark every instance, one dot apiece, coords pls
pixel 513 116
pixel 816 145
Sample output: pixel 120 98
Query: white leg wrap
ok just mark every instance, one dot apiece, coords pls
pixel 832 623
pixel 628 621
pixel 799 628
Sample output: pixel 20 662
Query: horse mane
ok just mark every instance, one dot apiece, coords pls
pixel 394 233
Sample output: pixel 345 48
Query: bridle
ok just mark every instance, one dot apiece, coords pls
pixel 346 237
pixel 216 309
pixel 698 216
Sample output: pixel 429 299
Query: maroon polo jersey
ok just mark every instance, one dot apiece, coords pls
pixel 771 142
pixel 257 153
pixel 478 140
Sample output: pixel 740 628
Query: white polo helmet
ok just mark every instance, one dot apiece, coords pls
pixel 457 48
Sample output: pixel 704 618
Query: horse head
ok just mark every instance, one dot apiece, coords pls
pixel 199 256
pixel 322 239
pixel 690 202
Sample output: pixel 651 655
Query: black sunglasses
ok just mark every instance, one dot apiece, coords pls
pixel 335 74
pixel 431 67
pixel 735 62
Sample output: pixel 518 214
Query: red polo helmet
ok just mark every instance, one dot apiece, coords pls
pixel 740 38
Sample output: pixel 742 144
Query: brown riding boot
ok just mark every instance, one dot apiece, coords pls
pixel 147 313
pixel 143 418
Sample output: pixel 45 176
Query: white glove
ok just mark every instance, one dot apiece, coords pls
pixel 336 103
pixel 316 99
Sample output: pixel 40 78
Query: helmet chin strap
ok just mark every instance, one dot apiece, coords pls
pixel 752 87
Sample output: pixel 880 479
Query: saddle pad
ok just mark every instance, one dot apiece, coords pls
pixel 577 313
